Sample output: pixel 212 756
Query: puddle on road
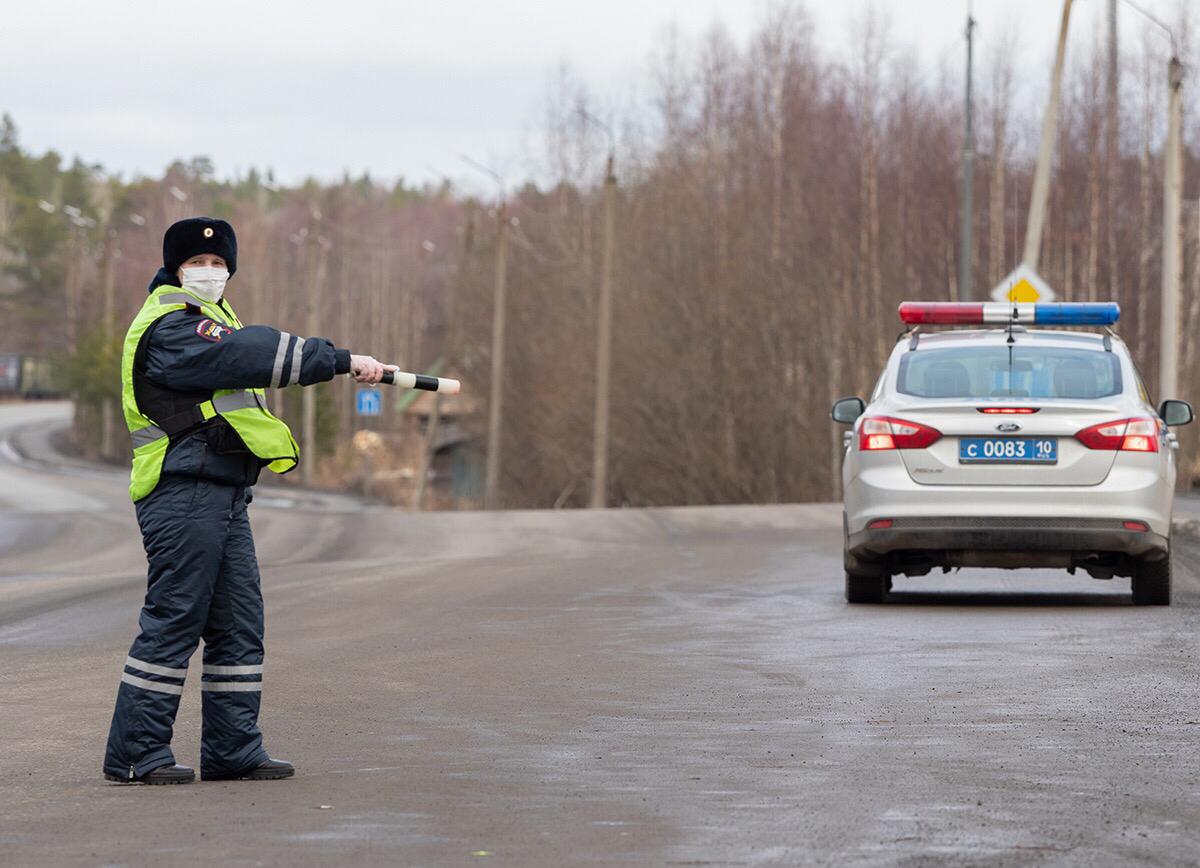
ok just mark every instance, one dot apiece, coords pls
pixel 377 827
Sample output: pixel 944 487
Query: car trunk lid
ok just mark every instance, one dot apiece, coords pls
pixel 1056 419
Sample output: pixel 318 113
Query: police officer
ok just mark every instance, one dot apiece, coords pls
pixel 192 380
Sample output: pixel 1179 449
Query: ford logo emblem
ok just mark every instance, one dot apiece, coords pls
pixel 1008 427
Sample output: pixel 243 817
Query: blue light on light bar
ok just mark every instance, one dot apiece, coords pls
pixel 1081 313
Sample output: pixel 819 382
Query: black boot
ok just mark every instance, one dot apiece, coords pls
pixel 171 774
pixel 271 770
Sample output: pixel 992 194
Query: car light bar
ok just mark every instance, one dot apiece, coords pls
pixel 1003 313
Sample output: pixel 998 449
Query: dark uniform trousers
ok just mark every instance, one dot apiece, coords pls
pixel 203 584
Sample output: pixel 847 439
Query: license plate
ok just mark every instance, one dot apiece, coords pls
pixel 1007 450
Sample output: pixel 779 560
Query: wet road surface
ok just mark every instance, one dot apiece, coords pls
pixel 627 687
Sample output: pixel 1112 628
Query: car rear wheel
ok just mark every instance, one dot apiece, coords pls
pixel 1152 582
pixel 866 581
pixel 866 589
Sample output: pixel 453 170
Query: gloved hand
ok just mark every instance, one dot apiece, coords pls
pixel 365 369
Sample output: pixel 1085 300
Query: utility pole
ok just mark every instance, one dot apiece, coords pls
pixel 1112 150
pixel 428 449
pixel 491 490
pixel 308 395
pixel 604 342
pixel 968 192
pixel 491 482
pixel 1041 177
pixel 1172 267
pixel 103 194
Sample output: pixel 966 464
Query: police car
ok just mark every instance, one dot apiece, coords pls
pixel 1009 447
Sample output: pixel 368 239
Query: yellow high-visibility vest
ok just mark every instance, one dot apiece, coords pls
pixel 268 438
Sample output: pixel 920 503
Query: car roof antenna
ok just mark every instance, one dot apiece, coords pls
pixel 1012 320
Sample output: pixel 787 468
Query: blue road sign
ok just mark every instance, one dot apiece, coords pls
pixel 370 402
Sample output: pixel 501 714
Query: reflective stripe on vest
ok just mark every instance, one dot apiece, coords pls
pixel 177 298
pixel 242 400
pixel 146 436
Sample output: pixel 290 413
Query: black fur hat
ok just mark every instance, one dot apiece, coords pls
pixel 199 235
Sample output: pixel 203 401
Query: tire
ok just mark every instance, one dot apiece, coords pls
pixel 1152 582
pixel 866 589
pixel 866 581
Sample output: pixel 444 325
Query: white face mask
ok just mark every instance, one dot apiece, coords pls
pixel 206 282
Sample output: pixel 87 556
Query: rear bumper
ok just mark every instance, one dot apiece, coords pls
pixel 1073 538
pixel 1133 490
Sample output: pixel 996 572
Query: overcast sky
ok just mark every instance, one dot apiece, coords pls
pixel 397 88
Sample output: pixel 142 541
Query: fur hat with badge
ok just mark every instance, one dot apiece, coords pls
pixel 194 235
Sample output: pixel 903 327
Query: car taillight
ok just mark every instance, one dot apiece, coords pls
pixel 1123 435
pixel 883 432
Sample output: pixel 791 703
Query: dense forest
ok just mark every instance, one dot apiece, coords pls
pixel 774 205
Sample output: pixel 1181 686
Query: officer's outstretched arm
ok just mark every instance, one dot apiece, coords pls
pixel 188 352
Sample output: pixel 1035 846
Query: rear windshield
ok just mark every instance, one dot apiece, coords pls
pixel 1009 372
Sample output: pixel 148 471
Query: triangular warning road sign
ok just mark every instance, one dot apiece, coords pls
pixel 1023 285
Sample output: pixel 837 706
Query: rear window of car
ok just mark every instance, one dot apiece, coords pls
pixel 1009 372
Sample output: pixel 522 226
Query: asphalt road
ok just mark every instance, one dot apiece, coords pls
pixel 627 687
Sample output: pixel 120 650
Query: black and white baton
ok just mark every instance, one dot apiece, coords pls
pixel 405 380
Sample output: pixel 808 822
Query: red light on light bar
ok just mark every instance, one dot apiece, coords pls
pixel 885 523
pixel 940 313
pixel 1139 526
pixel 1022 411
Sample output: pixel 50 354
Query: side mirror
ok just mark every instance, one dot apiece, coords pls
pixel 847 410
pixel 1175 412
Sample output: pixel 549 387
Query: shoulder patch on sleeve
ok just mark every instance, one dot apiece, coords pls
pixel 211 331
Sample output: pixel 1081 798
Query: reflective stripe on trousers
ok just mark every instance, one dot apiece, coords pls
pixel 133 679
pixel 176 689
pixel 147 684
pixel 253 671
pixel 232 686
